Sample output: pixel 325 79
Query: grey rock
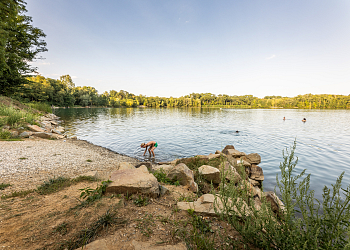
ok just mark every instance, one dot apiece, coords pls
pixel 56 132
pixel 163 190
pixel 25 134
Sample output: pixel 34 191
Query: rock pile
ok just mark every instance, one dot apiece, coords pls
pixel 236 167
pixel 49 128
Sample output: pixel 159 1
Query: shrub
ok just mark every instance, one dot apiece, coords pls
pixel 303 224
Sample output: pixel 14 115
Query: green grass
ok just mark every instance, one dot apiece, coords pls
pixel 51 186
pixel 41 106
pixel 4 185
pixel 15 117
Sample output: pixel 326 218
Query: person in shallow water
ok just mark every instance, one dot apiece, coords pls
pixel 152 145
pixel 303 120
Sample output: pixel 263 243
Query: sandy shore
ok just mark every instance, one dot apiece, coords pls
pixel 27 164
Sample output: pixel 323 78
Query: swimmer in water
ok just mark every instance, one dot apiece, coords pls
pixel 237 131
pixel 152 146
pixel 303 120
pixel 284 118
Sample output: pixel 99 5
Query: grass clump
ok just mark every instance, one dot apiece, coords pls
pixel 21 194
pixel 303 223
pixel 54 185
pixel 141 201
pixel 4 185
pixel 87 235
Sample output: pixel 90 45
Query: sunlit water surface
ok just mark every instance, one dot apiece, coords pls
pixel 323 142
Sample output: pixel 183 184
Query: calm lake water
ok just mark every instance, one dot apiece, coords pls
pixel 323 142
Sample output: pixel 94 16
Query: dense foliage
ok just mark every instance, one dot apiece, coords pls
pixel 20 44
pixel 62 92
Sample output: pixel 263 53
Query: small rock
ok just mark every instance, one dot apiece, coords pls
pixel 56 131
pixel 140 245
pixel 14 133
pixel 217 152
pixel 163 190
pixel 277 205
pixel 74 137
pixel 25 134
pixel 213 156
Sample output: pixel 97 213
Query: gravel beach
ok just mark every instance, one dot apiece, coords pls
pixel 27 164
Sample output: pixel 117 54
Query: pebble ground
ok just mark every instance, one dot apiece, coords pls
pixel 27 164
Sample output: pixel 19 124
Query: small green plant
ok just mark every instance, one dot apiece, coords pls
pixel 61 228
pixel 23 158
pixel 141 201
pixel 88 160
pixel 128 196
pixel 5 134
pixel 162 178
pixel 91 195
pixel 4 185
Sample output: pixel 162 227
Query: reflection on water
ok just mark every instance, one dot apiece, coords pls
pixel 323 142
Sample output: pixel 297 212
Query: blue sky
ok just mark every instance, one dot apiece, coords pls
pixel 173 48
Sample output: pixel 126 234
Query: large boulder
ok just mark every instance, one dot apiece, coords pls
pixel 184 175
pixel 132 181
pixel 254 158
pixel 256 173
pixel 35 128
pixel 125 165
pixel 210 173
pixel 205 205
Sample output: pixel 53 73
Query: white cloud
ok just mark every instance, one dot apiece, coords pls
pixel 270 57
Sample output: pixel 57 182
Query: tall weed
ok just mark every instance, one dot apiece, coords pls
pixel 304 223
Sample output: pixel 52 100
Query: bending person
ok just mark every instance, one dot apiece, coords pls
pixel 151 146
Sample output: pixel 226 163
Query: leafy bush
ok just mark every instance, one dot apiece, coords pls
pixel 4 185
pixel 304 223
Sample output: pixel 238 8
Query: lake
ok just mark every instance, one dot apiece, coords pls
pixel 323 142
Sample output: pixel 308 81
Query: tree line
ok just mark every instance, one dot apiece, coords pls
pixel 62 92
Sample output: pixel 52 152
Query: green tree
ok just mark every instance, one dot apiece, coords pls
pixel 20 44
